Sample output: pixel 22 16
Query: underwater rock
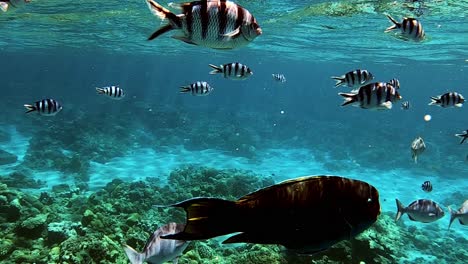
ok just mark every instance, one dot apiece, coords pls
pixel 6 247
pixel 59 231
pixel 21 179
pixel 7 157
pixel 32 227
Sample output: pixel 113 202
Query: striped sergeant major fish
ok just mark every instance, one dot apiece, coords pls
pixel 114 92
pixel 378 96
pixel 463 136
pixel 279 77
pixel 354 79
pixel 424 211
pixel 158 250
pixel 405 105
pixel 45 107
pixel 395 83
pixel 5 4
pixel 217 24
pixel 197 88
pixel 427 186
pixel 235 71
pixel 410 28
pixel 448 100
pixel 461 214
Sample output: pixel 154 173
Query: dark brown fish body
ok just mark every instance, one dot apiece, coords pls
pixel 307 214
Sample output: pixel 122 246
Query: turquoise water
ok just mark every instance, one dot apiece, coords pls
pixel 119 158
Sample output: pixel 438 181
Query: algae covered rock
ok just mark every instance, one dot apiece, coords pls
pixel 33 226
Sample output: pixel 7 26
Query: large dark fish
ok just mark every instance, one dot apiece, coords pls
pixel 217 24
pixel 307 214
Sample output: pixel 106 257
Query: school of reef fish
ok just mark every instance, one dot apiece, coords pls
pixel 314 212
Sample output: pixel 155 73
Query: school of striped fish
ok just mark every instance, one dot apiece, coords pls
pixel 222 24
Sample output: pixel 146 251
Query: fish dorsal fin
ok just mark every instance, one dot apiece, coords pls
pixel 235 33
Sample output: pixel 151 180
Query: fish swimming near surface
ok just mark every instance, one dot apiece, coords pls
pixel 158 250
pixel 379 96
pixel 217 24
pixel 354 79
pixel 395 83
pixel 6 4
pixel 279 77
pixel 451 99
pixel 306 215
pixel 461 214
pixel 417 148
pixel 234 71
pixel 424 211
pixel 410 28
pixel 405 105
pixel 427 186
pixel 463 136
pixel 114 92
pixel 45 107
pixel 197 88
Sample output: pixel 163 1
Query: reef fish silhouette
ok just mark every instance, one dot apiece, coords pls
pixel 307 214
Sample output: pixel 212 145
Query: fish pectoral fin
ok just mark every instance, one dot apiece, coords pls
pixel 411 218
pixel 233 33
pixel 387 104
pixel 458 105
pixel 432 214
pixel 184 39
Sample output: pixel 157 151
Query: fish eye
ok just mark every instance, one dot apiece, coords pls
pixel 369 200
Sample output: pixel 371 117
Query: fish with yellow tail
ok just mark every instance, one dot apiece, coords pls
pixel 217 24
pixel 157 250
pixel 314 213
pixel 461 214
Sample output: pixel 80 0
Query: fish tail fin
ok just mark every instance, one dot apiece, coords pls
pixel 185 89
pixel 400 210
pixel 349 98
pixel 133 255
pixel 4 6
pixel 434 101
pixel 163 13
pixel 30 108
pixel 339 80
pixel 453 216
pixel 216 70
pixel 395 24
pixel 100 90
pixel 207 218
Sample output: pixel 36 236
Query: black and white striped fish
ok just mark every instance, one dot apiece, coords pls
pixel 354 79
pixel 197 88
pixel 45 107
pixel 463 136
pixel 410 28
pixel 114 92
pixel 235 71
pixel 279 77
pixel 217 24
pixel 395 83
pixel 6 4
pixel 379 96
pixel 427 186
pixel 405 105
pixel 448 100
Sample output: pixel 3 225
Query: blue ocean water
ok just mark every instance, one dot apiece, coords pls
pixel 280 130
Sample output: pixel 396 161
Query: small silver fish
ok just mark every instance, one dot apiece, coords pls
pixel 410 28
pixel 45 107
pixel 451 99
pixel 463 136
pixel 379 96
pixel 405 105
pixel 427 186
pixel 6 4
pixel 417 148
pixel 461 214
pixel 354 79
pixel 279 77
pixel 198 89
pixel 424 211
pixel 234 71
pixel 114 92
pixel 158 250
pixel 217 24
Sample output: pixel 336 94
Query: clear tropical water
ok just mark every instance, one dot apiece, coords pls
pixel 257 129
